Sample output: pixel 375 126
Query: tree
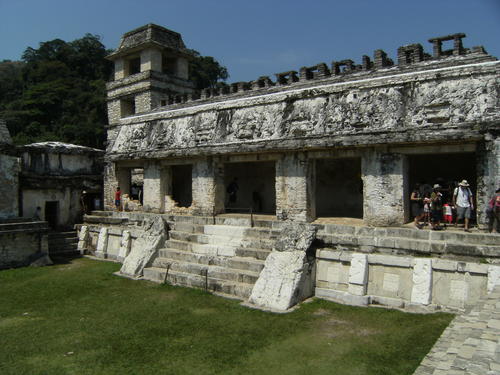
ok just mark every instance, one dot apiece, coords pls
pixel 61 93
pixel 58 91
pixel 205 71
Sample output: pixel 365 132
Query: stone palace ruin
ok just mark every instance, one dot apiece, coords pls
pixel 331 140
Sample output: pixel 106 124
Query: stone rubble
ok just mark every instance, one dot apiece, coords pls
pixel 288 274
pixel 146 248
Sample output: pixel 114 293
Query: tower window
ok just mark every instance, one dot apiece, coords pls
pixel 169 65
pixel 127 107
pixel 133 66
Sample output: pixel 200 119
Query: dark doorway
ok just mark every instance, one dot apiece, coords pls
pixel 339 188
pixel 52 213
pixel 182 180
pixel 443 169
pixel 256 187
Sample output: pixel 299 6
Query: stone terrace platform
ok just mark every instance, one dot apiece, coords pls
pixel 470 345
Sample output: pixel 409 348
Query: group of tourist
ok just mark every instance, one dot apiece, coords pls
pixel 449 205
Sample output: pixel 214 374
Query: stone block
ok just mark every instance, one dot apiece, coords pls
pixel 390 260
pixel 459 291
pixel 422 281
pixel 357 290
pixel 279 285
pixel 83 238
pixel 493 277
pixel 125 246
pixel 328 254
pixel 444 265
pixel 477 268
pixel 342 297
pixel 396 303
pixel 391 282
pixel 102 243
pixel 358 272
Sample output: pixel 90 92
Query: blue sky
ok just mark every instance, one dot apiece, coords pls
pixel 255 37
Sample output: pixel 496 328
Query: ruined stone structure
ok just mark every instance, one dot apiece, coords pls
pixel 22 241
pixel 53 177
pixel 337 140
pixel 345 141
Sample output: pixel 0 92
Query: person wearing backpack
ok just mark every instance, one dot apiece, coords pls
pixel 462 200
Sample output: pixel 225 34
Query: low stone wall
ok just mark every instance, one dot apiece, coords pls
pixel 415 283
pixel 22 244
pixel 105 242
pixel 359 265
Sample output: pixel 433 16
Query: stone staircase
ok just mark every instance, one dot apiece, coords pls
pixel 63 243
pixel 225 257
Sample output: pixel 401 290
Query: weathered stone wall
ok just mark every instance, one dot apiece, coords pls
pixel 450 98
pixel 400 108
pixel 9 186
pixel 22 243
pixel 383 181
pixel 294 188
pixel 399 281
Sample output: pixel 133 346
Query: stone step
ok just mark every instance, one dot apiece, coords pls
pixel 101 213
pixel 218 272
pixel 187 228
pixel 237 231
pixel 450 235
pixel 109 220
pixel 409 244
pixel 241 263
pixel 240 290
pixel 217 250
pixel 227 240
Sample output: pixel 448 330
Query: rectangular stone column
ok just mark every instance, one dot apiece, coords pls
pixel 488 174
pixel 358 274
pixel 208 187
pixel 153 191
pixel 384 190
pixel 295 188
pixel 422 281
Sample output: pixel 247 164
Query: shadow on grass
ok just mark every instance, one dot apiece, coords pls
pixel 65 258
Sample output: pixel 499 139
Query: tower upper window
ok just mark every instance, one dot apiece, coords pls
pixel 132 66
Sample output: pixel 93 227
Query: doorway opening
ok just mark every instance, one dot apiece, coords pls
pixel 182 191
pixel 250 186
pixel 52 213
pixel 339 188
pixel 447 170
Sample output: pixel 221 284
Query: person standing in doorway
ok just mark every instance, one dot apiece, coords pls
pixel 118 199
pixel 417 206
pixel 84 202
pixel 232 190
pixel 462 200
pixel 436 207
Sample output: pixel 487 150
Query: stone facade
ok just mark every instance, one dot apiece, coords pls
pixel 388 117
pixel 54 175
pixel 9 175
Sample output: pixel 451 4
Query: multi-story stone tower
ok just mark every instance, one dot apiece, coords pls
pixel 151 63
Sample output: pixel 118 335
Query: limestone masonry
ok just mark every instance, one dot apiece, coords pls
pixel 226 189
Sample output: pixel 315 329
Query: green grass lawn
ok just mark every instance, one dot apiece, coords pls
pixel 78 318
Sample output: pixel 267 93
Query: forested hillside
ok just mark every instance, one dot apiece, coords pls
pixel 58 91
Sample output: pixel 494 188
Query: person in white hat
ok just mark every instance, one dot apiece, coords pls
pixel 462 200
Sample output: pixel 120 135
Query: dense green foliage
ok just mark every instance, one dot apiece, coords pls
pixel 205 71
pixel 58 91
pixel 78 318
